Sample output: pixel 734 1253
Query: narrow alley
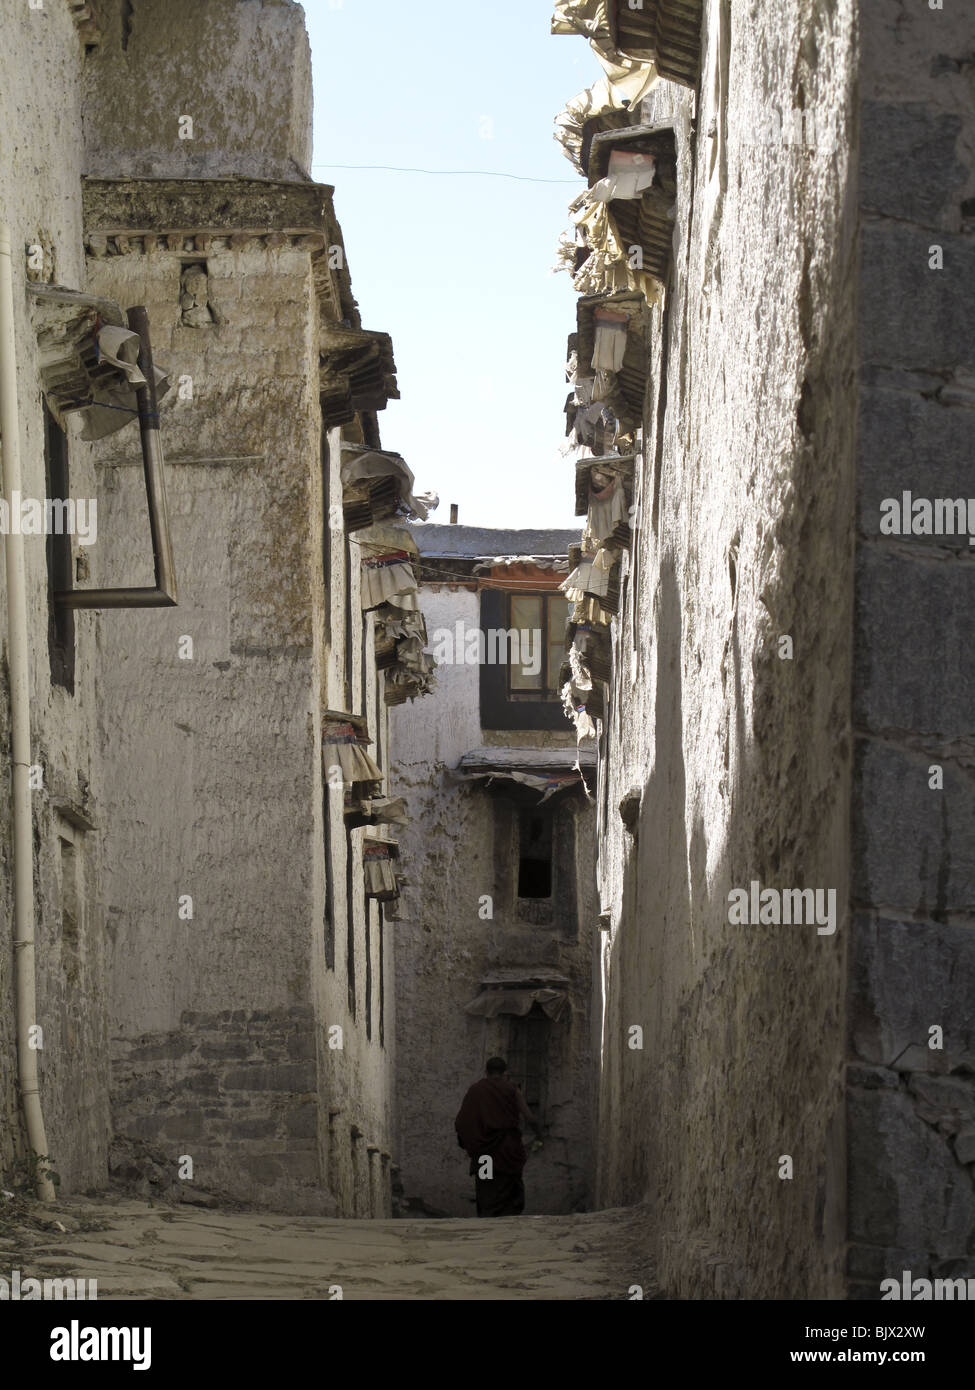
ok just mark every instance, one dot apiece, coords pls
pixel 487 742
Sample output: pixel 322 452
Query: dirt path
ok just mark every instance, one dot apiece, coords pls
pixel 143 1252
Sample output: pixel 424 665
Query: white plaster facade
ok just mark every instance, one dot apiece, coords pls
pixel 460 849
pixel 224 943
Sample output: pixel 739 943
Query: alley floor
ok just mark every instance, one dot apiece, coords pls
pixel 139 1251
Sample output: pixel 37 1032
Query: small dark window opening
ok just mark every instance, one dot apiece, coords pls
pixel 60 630
pixel 534 854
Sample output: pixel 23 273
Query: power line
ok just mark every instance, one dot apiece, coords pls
pixel 455 173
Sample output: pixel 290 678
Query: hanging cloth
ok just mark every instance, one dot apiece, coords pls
pixel 607 508
pixel 377 869
pixel 610 341
pixel 344 745
pixel 386 576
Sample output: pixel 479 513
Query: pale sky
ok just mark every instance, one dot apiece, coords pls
pixel 456 267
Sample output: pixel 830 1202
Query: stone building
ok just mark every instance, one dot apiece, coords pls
pixel 495 931
pixel 214 978
pixel 772 356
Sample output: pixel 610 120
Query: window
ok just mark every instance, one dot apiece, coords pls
pixel 60 631
pixel 528 1043
pixel 524 647
pixel 533 664
pixel 535 854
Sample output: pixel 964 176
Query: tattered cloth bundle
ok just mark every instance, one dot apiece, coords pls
pixel 88 365
pixel 596 427
pixel 377 868
pixel 607 507
pixel 365 477
pixel 392 626
pixel 410 653
pixel 590 652
pixel 344 744
pixel 383 647
pixel 404 624
pixel 607 270
pixel 590 610
pixel 602 99
pixel 576 710
pixel 581 675
pixel 632 77
pixel 385 577
pixel 386 810
pixel 403 684
pixel 591 577
pixel 584 388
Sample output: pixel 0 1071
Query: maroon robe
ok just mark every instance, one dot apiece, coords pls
pixel 489 1122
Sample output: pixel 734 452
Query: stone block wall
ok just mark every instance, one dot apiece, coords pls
pixel 911 1109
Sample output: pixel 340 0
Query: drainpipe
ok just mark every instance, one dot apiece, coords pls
pixel 18 667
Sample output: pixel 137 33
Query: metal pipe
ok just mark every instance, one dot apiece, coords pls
pixel 164 593
pixel 152 458
pixel 18 666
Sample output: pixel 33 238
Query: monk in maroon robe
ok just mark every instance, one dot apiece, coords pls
pixel 488 1127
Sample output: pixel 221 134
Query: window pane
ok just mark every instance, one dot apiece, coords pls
pixel 527 672
pixel 558 616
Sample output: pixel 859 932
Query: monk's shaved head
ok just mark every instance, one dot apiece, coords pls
pixel 496 1066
